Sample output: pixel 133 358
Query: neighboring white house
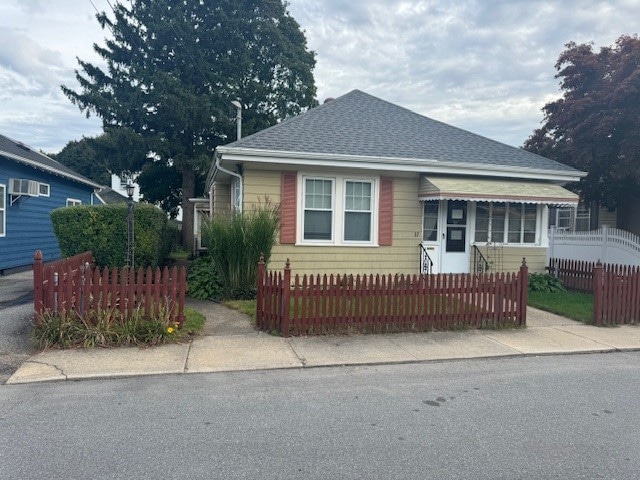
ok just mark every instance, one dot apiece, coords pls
pixel 119 185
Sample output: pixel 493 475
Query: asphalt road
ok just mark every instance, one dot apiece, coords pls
pixel 570 417
pixel 15 329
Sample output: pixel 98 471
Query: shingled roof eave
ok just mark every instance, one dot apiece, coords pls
pixel 46 168
pixel 397 163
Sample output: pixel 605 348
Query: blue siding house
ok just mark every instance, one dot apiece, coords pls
pixel 31 186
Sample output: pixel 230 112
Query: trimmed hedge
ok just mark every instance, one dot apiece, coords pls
pixel 103 230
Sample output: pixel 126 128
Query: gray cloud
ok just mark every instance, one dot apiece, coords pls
pixel 38 68
pixel 483 65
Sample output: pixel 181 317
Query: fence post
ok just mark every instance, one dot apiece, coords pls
pixel 38 280
pixel 597 293
pixel 552 241
pixel 260 292
pixel 605 241
pixel 524 285
pixel 286 293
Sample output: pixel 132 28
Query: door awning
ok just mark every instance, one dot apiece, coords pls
pixel 475 189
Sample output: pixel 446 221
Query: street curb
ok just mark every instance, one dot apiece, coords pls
pixel 333 365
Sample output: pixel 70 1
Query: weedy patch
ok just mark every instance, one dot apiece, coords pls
pixel 109 328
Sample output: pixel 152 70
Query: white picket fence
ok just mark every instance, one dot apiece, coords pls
pixel 609 245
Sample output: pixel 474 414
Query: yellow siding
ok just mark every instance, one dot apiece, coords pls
pixel 260 185
pixel 402 257
pixel 536 258
pixel 221 198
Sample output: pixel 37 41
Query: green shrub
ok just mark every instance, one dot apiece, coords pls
pixel 171 238
pixel 202 281
pixel 235 242
pixel 103 230
pixel 541 282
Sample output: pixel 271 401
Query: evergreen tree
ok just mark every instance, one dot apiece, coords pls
pixel 172 69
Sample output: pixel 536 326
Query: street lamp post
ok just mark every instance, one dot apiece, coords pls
pixel 238 106
pixel 130 237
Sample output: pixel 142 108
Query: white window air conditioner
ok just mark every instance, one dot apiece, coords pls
pixel 21 187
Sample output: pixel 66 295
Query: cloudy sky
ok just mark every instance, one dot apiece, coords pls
pixel 483 65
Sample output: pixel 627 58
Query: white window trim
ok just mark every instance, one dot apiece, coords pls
pixel 3 208
pixel 41 184
pixel 337 208
pixel 73 202
pixel 301 209
pixel 372 211
pixel 538 235
pixel 441 208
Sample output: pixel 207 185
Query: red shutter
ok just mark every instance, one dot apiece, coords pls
pixel 385 218
pixel 288 207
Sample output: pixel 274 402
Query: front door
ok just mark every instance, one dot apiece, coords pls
pixel 455 245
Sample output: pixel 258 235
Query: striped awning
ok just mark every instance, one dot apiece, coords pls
pixel 476 189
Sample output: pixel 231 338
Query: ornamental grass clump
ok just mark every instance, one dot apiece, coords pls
pixel 235 242
pixel 109 328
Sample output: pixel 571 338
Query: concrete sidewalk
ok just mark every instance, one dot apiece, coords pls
pixel 230 343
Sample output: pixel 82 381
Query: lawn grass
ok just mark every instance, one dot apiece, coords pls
pixel 248 307
pixel 574 305
pixel 193 322
pixel 180 255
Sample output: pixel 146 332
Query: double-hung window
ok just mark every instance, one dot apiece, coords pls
pixel 510 223
pixel 318 209
pixel 358 211
pixel 338 210
pixel 3 209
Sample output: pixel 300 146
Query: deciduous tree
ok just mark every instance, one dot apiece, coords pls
pixel 595 126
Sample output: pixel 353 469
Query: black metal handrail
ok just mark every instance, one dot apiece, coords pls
pixel 480 263
pixel 426 263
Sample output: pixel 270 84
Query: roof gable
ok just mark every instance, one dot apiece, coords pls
pixel 19 152
pixel 362 125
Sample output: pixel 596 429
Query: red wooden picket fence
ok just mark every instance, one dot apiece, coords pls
pixel 616 296
pixel 574 274
pixel 75 285
pixel 615 288
pixel 315 304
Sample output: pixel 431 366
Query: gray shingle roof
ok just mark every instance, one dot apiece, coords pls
pixel 107 195
pixel 22 153
pixel 360 124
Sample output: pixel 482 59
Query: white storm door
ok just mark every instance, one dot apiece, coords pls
pixel 454 245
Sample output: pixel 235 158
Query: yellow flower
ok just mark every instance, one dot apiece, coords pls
pixel 170 330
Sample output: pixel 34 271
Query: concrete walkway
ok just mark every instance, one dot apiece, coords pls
pixel 230 343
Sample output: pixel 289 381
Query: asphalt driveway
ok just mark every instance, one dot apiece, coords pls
pixel 16 315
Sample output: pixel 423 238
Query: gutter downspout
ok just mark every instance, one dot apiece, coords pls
pixel 233 174
pixel 238 105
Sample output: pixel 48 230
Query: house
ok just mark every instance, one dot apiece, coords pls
pixel 31 186
pixel 108 195
pixel 366 186
pixel 591 216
